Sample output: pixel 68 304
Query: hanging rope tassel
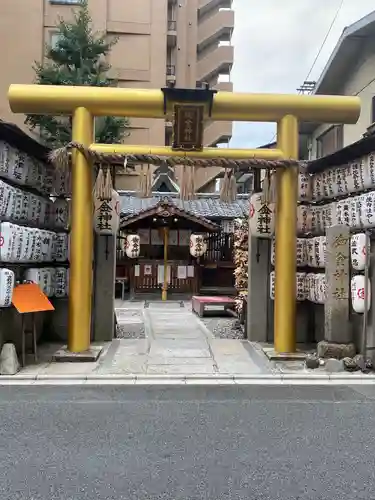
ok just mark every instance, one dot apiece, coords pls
pixel 60 158
pixel 142 183
pixel 107 185
pixel 273 187
pixel 266 188
pixel 232 188
pixel 98 191
pixel 183 183
pixel 269 191
pixel 191 183
pixel 224 187
pixel 148 182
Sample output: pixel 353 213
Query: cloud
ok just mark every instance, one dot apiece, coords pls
pixel 275 44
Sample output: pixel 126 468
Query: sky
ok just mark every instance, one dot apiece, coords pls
pixel 275 44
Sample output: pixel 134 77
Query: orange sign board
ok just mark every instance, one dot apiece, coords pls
pixel 29 298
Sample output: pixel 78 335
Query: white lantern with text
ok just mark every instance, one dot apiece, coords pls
pixel 7 283
pixel 198 245
pixel 132 246
pixel 261 217
pixel 107 215
pixel 357 286
pixel 359 246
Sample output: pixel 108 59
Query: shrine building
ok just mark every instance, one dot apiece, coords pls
pixel 164 224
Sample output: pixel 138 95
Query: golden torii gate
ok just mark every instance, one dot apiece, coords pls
pixel 84 103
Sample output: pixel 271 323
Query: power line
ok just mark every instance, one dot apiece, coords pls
pixel 321 47
pixel 325 38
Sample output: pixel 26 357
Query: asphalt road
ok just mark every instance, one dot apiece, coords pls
pixel 112 443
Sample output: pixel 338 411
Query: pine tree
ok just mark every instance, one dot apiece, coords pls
pixel 77 58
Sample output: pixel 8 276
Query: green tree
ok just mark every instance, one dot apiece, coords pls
pixel 77 58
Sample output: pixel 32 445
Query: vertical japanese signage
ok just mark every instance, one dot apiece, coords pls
pixel 188 127
pixel 336 307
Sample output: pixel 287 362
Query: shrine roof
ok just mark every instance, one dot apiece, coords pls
pixel 165 208
pixel 204 205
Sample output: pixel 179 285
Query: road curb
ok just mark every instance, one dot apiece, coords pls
pixel 253 379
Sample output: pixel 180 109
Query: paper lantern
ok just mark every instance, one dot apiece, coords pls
pixel 359 246
pixel 355 206
pixel 304 187
pixel 7 241
pixel 272 285
pixel 368 170
pixel 107 215
pixel 319 252
pixel 61 213
pixel 368 210
pixel 316 288
pixel 317 188
pixel 301 290
pixel 61 285
pixel 357 287
pixel 303 219
pixel 35 275
pixel 132 246
pixel 330 215
pixel 7 282
pixel 301 252
pixel 198 246
pixel 261 217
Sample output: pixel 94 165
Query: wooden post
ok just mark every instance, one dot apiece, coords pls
pixel 165 281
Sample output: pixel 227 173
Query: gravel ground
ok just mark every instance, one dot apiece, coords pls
pixel 131 331
pixel 223 328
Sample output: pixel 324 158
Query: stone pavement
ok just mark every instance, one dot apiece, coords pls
pixel 177 348
pixel 178 343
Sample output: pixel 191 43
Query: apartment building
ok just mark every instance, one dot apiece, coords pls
pixel 159 41
pixel 349 71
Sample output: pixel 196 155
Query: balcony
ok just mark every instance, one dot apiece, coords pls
pixel 215 62
pixel 171 33
pixel 205 6
pixel 217 27
pixel 217 133
pixel 171 73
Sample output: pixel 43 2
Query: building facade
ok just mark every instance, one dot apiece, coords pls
pixel 159 41
pixel 349 71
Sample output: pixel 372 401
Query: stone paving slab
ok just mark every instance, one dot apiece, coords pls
pixel 128 347
pixel 232 367
pixel 128 364
pixel 175 351
pixel 171 361
pixel 205 369
pixel 228 347
pixel 172 335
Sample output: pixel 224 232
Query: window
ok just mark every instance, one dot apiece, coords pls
pixel 54 39
pixel 67 2
pixel 217 185
pixel 330 141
